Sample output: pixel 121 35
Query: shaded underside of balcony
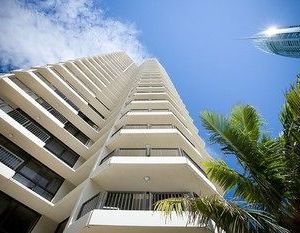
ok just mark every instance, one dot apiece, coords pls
pixel 165 173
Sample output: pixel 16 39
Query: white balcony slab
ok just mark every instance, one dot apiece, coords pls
pixel 127 221
pixel 156 138
pixel 57 210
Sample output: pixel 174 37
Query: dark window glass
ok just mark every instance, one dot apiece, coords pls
pixel 69 157
pixel 81 137
pixel 52 143
pixel 103 104
pixel 88 120
pixel 60 228
pixel 62 151
pixel 71 128
pixel 16 217
pixel 55 146
pixel 52 110
pixel 31 173
pixel 92 107
pixel 77 133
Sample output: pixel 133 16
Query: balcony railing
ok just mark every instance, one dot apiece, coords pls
pixel 148 92
pixel 150 85
pixel 146 110
pixel 47 106
pixel 52 144
pixel 28 171
pixel 10 159
pixel 152 152
pixel 154 110
pixel 152 126
pixel 175 105
pixel 138 100
pixel 51 110
pixel 143 126
pixel 17 115
pixel 127 200
pixel 56 90
pixel 37 130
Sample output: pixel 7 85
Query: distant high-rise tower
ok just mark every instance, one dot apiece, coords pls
pixel 281 41
pixel 89 145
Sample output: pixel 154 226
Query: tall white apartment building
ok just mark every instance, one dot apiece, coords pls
pixel 89 145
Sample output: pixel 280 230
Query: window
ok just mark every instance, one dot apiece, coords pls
pixel 39 179
pixel 92 107
pixel 88 120
pixel 12 212
pixel 31 173
pixel 62 151
pixel 52 110
pixel 61 226
pixel 102 103
pixel 47 137
pixel 27 122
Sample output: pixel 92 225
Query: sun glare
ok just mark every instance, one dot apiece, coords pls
pixel 271 31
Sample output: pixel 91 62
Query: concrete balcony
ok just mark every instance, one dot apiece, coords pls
pixel 160 96
pixel 82 84
pixel 153 104
pixel 103 221
pixel 145 104
pixel 150 95
pixel 160 116
pixel 156 93
pixel 139 91
pixel 33 145
pixel 34 84
pixel 150 88
pixel 58 209
pixel 148 116
pixel 160 104
pixel 156 135
pixel 128 212
pixel 42 112
pixel 145 169
pixel 143 84
pixel 70 93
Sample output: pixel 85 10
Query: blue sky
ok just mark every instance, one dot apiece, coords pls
pixel 198 42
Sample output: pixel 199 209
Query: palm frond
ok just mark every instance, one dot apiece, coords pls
pixel 226 215
pixel 290 119
pixel 252 155
pixel 246 119
pixel 230 139
pixel 233 142
pixel 228 179
pixel 293 99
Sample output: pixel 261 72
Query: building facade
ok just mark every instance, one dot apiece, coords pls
pixel 90 145
pixel 280 41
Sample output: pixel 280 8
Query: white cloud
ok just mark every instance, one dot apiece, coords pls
pixel 47 31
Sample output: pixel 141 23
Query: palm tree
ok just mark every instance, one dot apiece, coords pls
pixel 266 196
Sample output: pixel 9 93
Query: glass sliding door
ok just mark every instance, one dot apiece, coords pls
pixel 16 217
